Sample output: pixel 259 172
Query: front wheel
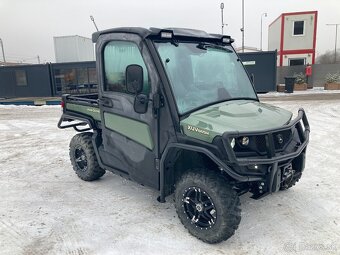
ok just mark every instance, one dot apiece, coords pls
pixel 207 205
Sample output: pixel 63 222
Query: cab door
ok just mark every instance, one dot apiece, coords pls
pixel 129 138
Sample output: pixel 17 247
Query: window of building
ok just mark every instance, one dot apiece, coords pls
pixel 298 27
pixel 20 76
pixel 66 80
pixel 75 80
pixel 92 76
pixel 297 61
pixel 117 56
pixel 82 77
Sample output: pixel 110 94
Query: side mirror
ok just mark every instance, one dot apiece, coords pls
pixel 134 79
pixel 140 104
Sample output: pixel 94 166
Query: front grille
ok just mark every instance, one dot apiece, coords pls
pixel 281 139
pixel 258 143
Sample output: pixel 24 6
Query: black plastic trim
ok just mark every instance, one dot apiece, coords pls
pixel 304 137
pixel 208 153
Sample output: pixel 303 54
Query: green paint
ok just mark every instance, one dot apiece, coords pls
pixel 233 116
pixel 88 110
pixel 135 130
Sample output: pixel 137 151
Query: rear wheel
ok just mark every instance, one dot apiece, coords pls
pixel 207 205
pixel 83 157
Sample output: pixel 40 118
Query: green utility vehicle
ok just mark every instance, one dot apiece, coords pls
pixel 177 111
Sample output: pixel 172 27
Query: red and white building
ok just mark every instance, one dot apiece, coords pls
pixel 293 35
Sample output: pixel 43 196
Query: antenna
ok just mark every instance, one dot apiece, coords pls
pixel 94 23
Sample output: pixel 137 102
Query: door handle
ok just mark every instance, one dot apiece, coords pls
pixel 105 102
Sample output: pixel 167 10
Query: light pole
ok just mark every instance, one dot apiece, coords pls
pixel 242 29
pixel 3 52
pixel 222 7
pixel 94 23
pixel 265 15
pixel 336 38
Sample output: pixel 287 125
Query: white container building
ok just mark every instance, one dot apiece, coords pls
pixel 293 35
pixel 73 48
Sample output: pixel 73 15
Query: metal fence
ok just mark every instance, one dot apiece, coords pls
pixel 319 71
pixel 81 77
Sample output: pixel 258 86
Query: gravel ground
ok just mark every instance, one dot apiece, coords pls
pixel 46 209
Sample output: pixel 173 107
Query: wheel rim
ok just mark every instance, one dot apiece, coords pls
pixel 199 207
pixel 80 158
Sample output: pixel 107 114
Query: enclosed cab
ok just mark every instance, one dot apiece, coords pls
pixel 176 111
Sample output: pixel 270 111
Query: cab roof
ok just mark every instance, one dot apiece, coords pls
pixel 177 32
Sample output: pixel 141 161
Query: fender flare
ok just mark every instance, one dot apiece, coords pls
pixel 206 152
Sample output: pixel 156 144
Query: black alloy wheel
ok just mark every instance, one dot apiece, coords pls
pixel 80 158
pixel 199 207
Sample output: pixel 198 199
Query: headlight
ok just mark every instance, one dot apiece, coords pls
pixel 244 140
pixel 232 143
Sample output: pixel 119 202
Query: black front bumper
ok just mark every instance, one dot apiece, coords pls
pixel 273 160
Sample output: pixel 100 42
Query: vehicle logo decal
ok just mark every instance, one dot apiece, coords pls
pixel 92 110
pixel 197 130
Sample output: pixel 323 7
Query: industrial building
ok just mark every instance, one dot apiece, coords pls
pixel 73 49
pixel 293 35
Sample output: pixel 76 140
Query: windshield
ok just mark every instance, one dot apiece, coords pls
pixel 201 74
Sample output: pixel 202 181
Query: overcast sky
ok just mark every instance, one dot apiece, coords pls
pixel 27 27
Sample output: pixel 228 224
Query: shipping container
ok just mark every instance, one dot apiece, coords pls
pixel 73 49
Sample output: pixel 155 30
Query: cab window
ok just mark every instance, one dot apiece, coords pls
pixel 117 56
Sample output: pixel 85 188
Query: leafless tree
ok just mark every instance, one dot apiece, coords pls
pixel 328 57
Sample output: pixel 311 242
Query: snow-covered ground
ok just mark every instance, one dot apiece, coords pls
pixel 46 209
pixel 313 91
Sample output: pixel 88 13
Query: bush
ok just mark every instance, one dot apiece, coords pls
pixel 332 78
pixel 300 78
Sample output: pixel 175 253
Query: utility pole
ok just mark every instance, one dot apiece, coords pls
pixel 3 52
pixel 94 23
pixel 263 14
pixel 38 59
pixel 222 7
pixel 336 38
pixel 242 29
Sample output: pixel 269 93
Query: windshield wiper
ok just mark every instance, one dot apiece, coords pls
pixel 216 102
pixel 242 98
pixel 205 46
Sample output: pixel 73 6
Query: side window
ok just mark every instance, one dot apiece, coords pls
pixel 298 27
pixel 117 56
pixel 20 76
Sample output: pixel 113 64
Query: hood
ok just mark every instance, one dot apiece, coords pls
pixel 233 116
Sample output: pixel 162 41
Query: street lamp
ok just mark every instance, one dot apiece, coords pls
pixel 3 52
pixel 242 29
pixel 94 23
pixel 336 38
pixel 222 7
pixel 265 15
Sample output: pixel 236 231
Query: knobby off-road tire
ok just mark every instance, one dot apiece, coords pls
pixel 217 205
pixel 83 157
